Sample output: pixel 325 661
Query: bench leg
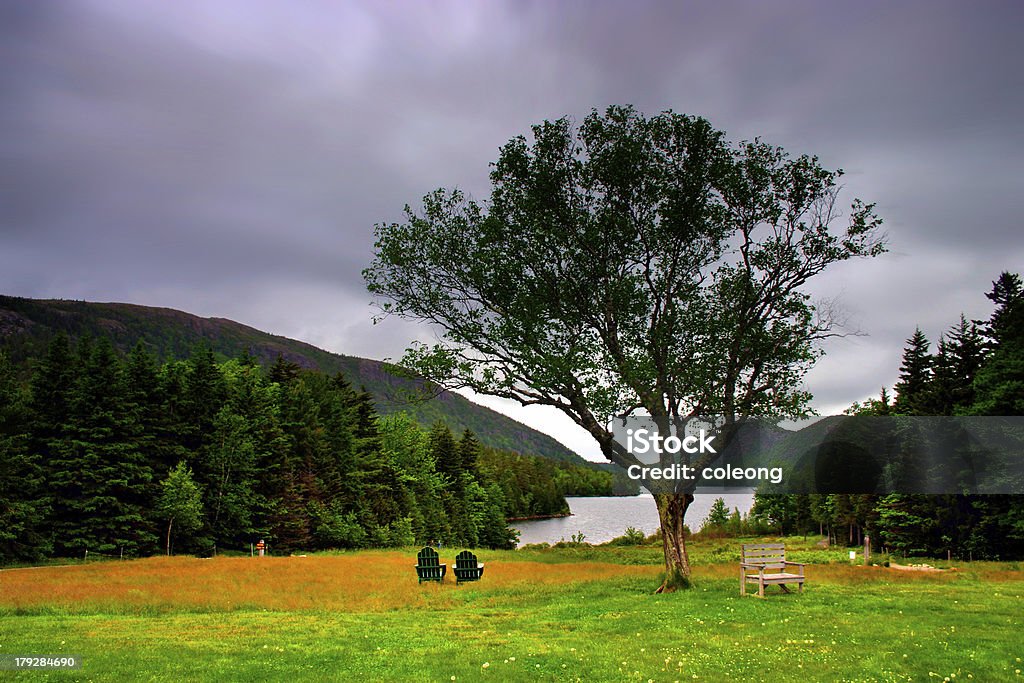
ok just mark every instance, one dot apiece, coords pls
pixel 783 587
pixel 760 588
pixel 743 583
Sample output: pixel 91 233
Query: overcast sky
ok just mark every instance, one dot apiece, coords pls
pixel 231 158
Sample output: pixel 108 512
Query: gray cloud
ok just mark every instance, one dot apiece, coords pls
pixel 231 158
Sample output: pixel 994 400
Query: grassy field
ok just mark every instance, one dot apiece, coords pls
pixel 560 614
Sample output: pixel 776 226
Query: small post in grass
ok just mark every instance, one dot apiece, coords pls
pixel 867 550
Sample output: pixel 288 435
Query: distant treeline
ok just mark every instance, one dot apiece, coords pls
pixel 977 369
pixel 115 455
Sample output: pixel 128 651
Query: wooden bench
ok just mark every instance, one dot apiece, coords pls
pixel 428 566
pixel 467 568
pixel 763 556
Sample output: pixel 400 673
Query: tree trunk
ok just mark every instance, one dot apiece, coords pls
pixel 169 523
pixel 671 511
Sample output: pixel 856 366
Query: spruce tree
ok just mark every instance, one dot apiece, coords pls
pixel 445 452
pixel 23 501
pixel 52 383
pixel 258 401
pixel 1007 292
pixel 915 376
pixel 298 485
pixel 940 396
pixel 145 401
pixel 469 452
pixel 718 515
pixel 284 371
pixel 967 348
pixel 999 384
pixel 882 406
pixel 204 394
pixel 100 476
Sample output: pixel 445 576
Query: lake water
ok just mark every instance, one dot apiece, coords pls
pixel 603 518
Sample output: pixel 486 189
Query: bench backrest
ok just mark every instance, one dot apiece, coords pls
pixel 768 555
pixel 466 560
pixel 427 558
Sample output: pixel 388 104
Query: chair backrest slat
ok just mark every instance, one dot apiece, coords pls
pixel 768 554
pixel 465 560
pixel 427 558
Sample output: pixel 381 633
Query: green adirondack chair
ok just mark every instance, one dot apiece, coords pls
pixel 428 566
pixel 467 568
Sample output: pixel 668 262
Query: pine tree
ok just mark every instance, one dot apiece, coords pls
pixel 915 376
pixel 495 532
pixel 100 476
pixel 298 484
pixel 448 461
pixel 718 516
pixel 23 501
pixel 284 371
pixel 967 348
pixel 445 451
pixel 940 396
pixel 882 406
pixel 1007 292
pixel 908 523
pixel 259 402
pixel 50 399
pixel 384 498
pixel 469 452
pixel 145 401
pixel 204 394
pixel 999 384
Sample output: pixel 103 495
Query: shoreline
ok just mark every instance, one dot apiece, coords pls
pixel 533 517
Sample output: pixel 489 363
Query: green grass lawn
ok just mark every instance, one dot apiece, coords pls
pixel 850 624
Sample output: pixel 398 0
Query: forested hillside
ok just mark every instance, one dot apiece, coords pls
pixel 27 326
pixel 111 454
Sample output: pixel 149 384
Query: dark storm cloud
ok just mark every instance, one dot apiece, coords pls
pixel 231 158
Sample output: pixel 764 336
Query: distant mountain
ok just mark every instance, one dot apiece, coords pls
pixel 27 325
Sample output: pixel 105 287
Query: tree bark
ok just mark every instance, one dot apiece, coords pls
pixel 169 523
pixel 671 512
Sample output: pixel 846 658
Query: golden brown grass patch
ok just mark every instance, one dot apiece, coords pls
pixel 354 583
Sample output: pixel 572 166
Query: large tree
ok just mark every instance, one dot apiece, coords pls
pixel 627 266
